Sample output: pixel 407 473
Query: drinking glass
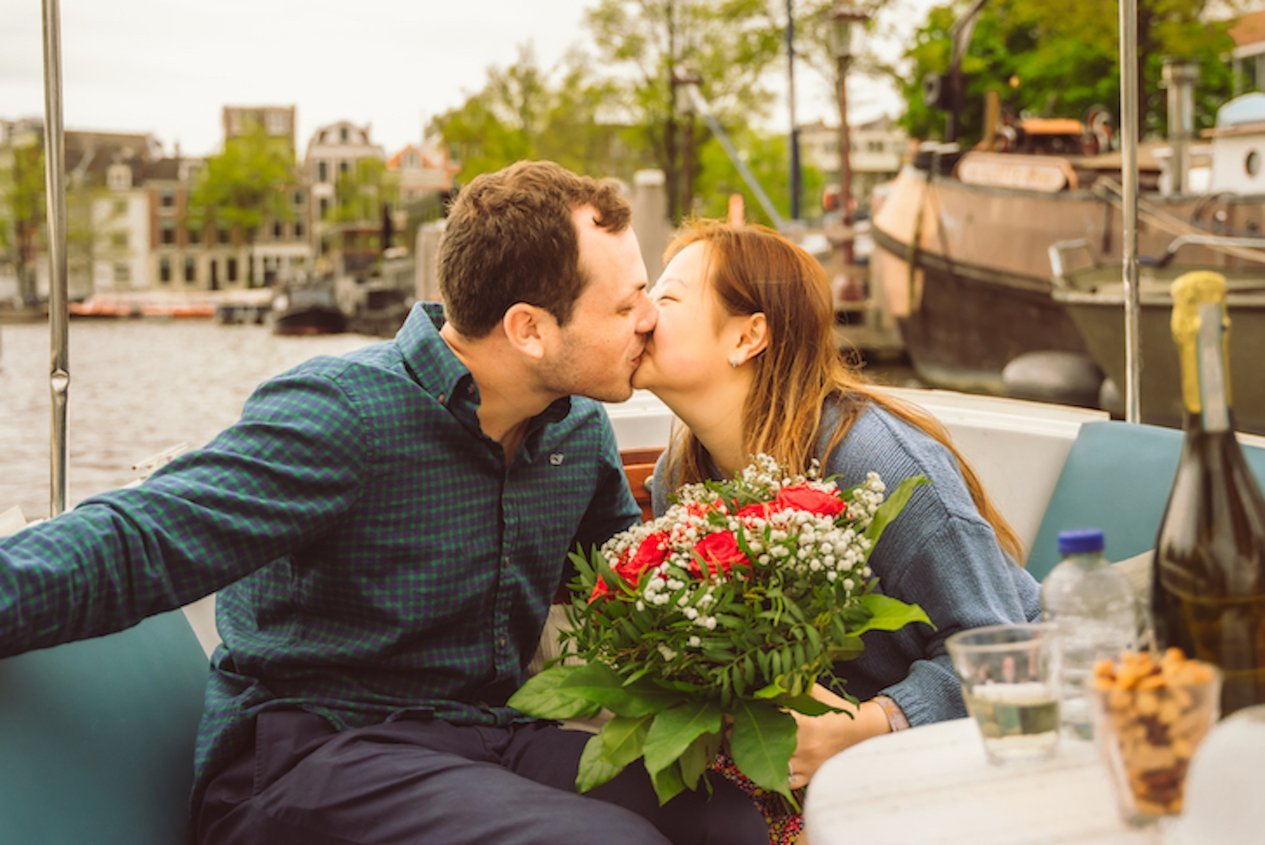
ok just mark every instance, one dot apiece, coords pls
pixel 1009 676
pixel 1147 735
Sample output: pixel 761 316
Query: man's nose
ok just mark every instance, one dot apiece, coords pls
pixel 649 317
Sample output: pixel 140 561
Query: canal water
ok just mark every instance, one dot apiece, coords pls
pixel 139 387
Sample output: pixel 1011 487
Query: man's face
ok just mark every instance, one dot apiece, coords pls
pixel 601 345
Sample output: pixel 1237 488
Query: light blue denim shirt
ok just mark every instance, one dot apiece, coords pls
pixel 940 553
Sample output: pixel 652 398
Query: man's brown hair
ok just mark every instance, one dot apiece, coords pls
pixel 510 238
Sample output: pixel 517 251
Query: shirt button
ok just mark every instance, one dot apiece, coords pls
pixel 505 562
pixel 442 398
pixel 501 641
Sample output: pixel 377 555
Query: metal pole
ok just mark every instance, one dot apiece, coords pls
pixel 1129 194
pixel 58 317
pixel 790 96
pixel 846 246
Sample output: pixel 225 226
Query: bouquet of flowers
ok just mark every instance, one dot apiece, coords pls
pixel 712 621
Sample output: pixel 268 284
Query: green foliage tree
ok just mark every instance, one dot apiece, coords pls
pixel 766 155
pixel 728 44
pixel 525 111
pixel 1061 59
pixel 246 185
pixel 22 211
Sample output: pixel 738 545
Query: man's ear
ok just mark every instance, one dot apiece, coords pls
pixel 753 337
pixel 527 328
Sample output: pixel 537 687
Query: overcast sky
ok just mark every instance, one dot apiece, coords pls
pixel 168 66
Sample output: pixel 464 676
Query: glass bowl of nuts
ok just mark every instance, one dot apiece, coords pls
pixel 1149 716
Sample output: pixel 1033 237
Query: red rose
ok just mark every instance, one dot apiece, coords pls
pixel 801 497
pixel 759 509
pixel 652 552
pixel 719 553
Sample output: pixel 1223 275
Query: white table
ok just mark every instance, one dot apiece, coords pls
pixel 933 784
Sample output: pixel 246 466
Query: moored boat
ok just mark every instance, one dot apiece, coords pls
pixel 961 248
pixel 306 309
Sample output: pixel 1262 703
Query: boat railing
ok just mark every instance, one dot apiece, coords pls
pixel 1252 249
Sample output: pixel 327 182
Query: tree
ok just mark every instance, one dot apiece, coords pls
pixel 766 155
pixel 728 44
pixel 246 185
pixel 522 113
pixel 1061 59
pixel 22 203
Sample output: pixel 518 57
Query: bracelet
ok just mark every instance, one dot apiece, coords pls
pixel 896 718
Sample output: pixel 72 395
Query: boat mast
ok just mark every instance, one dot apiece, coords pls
pixel 58 317
pixel 1129 195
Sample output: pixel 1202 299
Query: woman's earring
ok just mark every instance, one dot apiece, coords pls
pixel 733 362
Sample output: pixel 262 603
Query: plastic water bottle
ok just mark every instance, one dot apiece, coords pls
pixel 1095 611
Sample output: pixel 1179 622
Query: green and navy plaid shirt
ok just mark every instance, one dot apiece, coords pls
pixel 376 557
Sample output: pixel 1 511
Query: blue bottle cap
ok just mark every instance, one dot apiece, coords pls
pixel 1080 541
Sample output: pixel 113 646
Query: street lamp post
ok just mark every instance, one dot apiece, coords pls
pixel 796 183
pixel 848 23
pixel 682 78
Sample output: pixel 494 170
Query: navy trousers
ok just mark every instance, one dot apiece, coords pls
pixel 433 782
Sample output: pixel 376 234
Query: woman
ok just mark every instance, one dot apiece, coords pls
pixel 743 354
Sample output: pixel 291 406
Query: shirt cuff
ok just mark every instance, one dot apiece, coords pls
pixel 896 718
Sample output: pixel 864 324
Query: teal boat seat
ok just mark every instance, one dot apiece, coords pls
pixel 96 738
pixel 1117 477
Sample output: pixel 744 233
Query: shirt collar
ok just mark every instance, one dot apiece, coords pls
pixel 440 372
pixel 428 356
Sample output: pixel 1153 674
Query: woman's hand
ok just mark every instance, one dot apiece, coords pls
pixel 821 737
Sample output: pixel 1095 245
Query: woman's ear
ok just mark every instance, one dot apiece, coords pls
pixel 527 328
pixel 753 337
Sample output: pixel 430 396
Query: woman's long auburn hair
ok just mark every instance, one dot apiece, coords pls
pixel 752 269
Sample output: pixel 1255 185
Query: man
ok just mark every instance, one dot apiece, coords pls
pixel 386 530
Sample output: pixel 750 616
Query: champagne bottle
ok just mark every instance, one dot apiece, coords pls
pixel 1208 596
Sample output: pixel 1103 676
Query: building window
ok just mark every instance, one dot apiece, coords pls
pixel 230 269
pixel 167 199
pixel 190 270
pixel 298 229
pixel 298 198
pixel 322 171
pixel 276 123
pixel 221 235
pixel 278 230
pixel 167 233
pixel 194 236
pixel 343 168
pixel 122 273
pixel 342 134
pixel 118 240
pixel 164 270
pixel 120 207
pixel 324 207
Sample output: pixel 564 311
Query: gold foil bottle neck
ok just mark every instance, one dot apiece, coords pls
pixel 1191 293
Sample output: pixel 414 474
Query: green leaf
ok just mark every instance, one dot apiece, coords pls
pixel 892 506
pixel 544 697
pixel 762 743
pixel 595 768
pixel 623 739
pixel 674 730
pixel 600 683
pixel 667 784
pixel 807 705
pixel 697 757
pixel 888 614
pixel 847 648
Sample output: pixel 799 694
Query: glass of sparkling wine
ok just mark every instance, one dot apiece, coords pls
pixel 1009 677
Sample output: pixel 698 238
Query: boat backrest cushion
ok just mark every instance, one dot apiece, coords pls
pixel 96 737
pixel 1117 477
